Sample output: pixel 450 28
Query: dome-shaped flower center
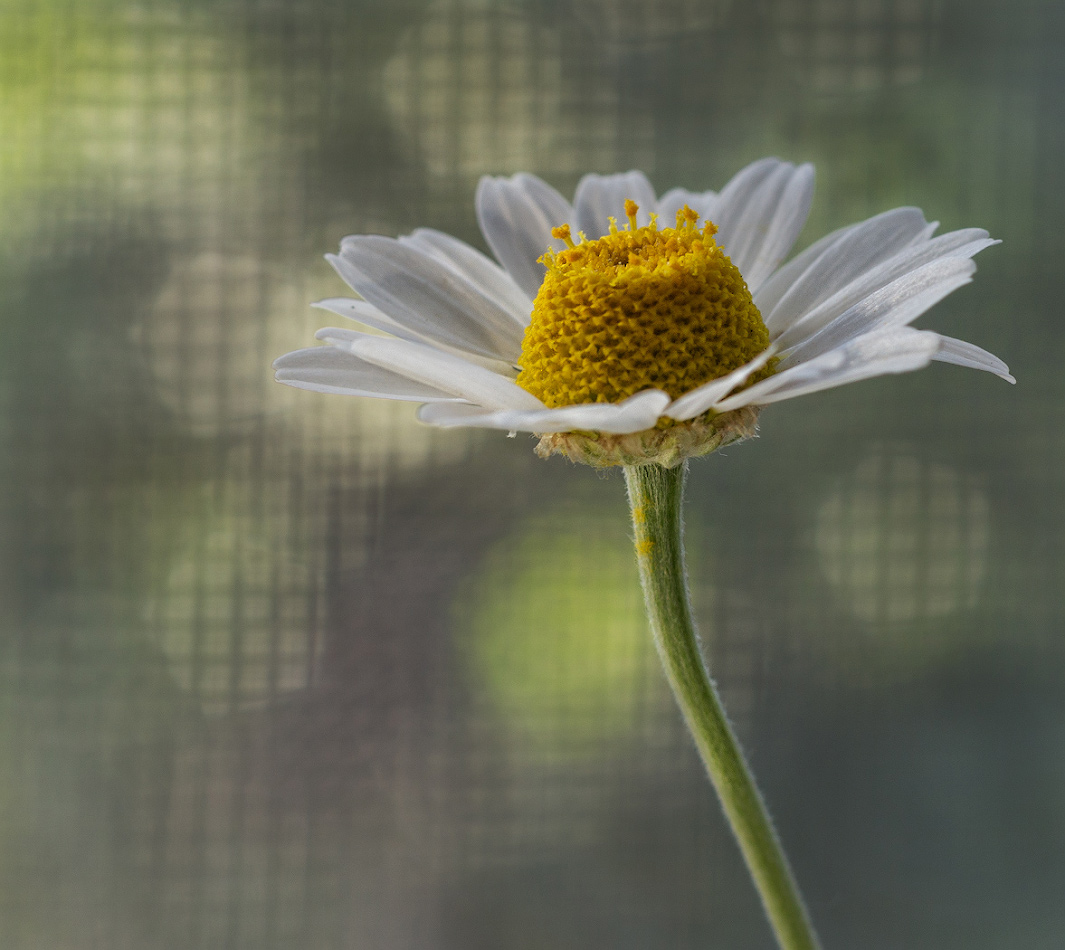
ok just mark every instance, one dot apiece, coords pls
pixel 639 308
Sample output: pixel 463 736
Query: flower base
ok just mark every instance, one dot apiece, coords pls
pixel 667 447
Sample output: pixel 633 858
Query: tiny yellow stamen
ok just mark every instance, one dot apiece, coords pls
pixel 562 233
pixel 613 224
pixel 637 309
pixel 686 217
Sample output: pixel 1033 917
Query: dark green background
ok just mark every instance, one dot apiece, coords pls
pixel 282 670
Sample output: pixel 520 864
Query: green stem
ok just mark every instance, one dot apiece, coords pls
pixel 655 495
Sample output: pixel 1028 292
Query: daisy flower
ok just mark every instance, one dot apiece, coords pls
pixel 653 341
pixel 643 344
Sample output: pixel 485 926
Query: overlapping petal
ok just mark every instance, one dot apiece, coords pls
pixel 706 396
pixel 834 261
pixel 368 315
pixel 427 297
pixel 602 197
pixel 635 414
pixel 516 216
pixel 898 303
pixel 760 214
pixel 875 354
pixel 957 245
pixel 838 312
pixel 326 369
pixel 443 371
pixel 477 268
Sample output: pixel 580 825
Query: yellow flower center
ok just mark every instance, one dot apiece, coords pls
pixel 639 308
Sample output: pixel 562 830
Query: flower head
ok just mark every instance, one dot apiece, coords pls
pixel 638 309
pixel 641 342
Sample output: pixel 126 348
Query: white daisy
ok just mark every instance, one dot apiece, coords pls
pixel 644 343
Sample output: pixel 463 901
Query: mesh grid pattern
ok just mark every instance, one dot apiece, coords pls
pixel 857 45
pixel 279 669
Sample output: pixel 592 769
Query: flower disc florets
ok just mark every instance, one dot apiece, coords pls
pixel 640 308
pixel 644 345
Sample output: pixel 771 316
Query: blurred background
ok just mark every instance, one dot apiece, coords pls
pixel 284 670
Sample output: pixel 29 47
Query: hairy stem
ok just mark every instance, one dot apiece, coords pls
pixel 655 495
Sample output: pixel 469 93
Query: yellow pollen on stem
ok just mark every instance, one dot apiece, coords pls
pixel 639 308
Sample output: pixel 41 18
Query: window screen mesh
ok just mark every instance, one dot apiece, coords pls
pixel 287 670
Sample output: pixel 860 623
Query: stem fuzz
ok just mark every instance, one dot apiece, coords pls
pixel 655 495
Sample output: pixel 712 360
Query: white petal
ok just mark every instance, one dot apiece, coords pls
pixel 875 354
pixel 368 315
pixel 427 296
pixel 516 216
pixel 955 245
pixel 479 270
pixel 338 336
pixel 759 218
pixel 635 414
pixel 768 295
pixel 344 337
pixel 743 192
pixel 699 400
pixel 962 353
pixel 326 369
pixel 747 181
pixel 899 303
pixel 704 202
pixel 448 373
pixel 834 261
pixel 601 197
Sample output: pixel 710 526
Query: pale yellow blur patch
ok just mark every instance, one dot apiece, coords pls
pixel 555 638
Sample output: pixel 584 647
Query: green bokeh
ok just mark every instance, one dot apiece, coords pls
pixel 554 633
